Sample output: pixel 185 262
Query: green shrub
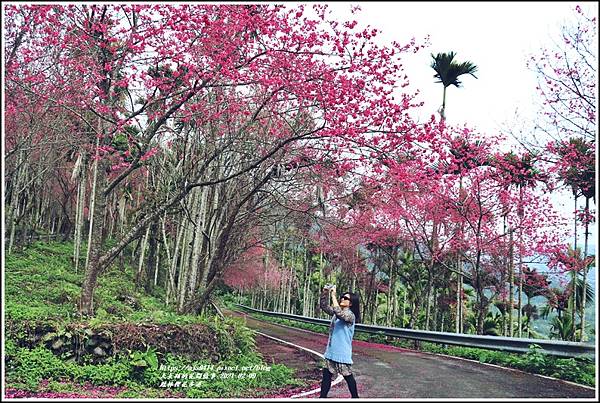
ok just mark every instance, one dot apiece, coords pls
pixel 116 371
pixel 276 376
pixel 29 367
pixel 579 370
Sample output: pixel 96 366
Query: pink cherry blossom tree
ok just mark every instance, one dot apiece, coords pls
pixel 150 66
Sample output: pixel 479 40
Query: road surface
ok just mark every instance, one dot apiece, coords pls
pixel 383 371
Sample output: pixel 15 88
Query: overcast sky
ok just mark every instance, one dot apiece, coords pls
pixel 497 37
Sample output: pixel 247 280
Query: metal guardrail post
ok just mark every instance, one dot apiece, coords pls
pixel 509 344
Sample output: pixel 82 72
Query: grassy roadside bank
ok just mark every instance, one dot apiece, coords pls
pixel 135 346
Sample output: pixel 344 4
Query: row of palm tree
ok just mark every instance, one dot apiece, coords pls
pixel 580 179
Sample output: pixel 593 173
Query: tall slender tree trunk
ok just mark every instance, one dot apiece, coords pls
pixel 291 282
pixel 157 264
pixel 520 301
pixel 209 221
pixel 428 300
pixel 139 277
pixel 459 275
pixel 443 110
pixel 183 266
pixel 459 295
pixel 14 200
pixel 164 240
pixel 306 286
pixel 265 271
pixel 585 270
pixel 462 304
pixel 434 311
pixel 93 202
pixel 395 304
pixel 415 311
pixel 370 299
pixel 94 267
pixel 575 222
pixel 574 304
pixel 529 317
pixel 186 253
pixel 511 293
pixel 79 209
pixel 504 297
pixel 283 280
pixel 153 256
pixel 481 311
pixel 390 298
pixel 173 267
pixel 520 290
pixel 404 292
pixel 574 287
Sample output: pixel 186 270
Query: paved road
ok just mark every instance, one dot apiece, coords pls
pixel 383 371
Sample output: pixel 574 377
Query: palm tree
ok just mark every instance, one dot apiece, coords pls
pixel 412 273
pixel 502 307
pixel 492 325
pixel 562 327
pixel 535 284
pixel 565 301
pixel 447 72
pixel 580 175
pixel 521 172
pixel 581 291
pixel 469 157
pixel 558 300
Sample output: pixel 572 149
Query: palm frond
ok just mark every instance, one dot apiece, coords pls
pixel 447 70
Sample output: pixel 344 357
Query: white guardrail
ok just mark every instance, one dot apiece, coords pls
pixel 510 344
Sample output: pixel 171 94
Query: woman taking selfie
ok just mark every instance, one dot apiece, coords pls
pixel 338 354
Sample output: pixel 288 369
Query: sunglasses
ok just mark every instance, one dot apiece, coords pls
pixel 345 297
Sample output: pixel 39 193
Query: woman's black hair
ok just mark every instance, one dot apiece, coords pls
pixel 354 306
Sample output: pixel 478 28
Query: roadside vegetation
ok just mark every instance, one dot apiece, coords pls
pixel 51 352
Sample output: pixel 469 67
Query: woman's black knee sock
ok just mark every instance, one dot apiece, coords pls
pixel 325 383
pixel 351 385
